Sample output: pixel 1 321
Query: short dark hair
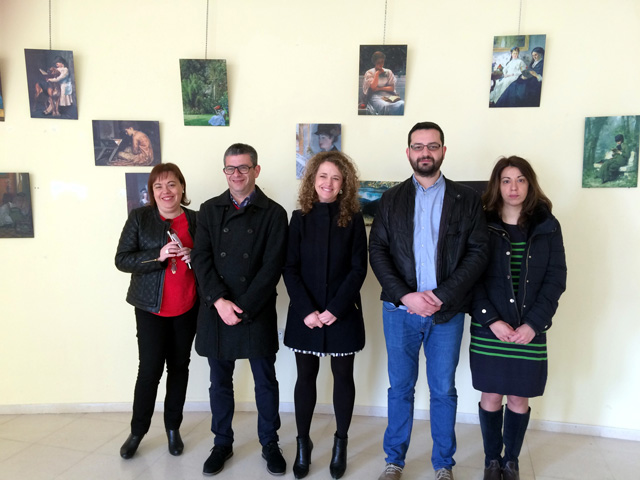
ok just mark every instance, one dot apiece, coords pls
pixel 161 170
pixel 377 56
pixel 620 138
pixel 241 149
pixel 426 126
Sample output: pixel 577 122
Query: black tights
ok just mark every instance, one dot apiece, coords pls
pixel 305 393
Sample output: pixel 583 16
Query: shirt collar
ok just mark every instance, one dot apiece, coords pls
pixel 437 183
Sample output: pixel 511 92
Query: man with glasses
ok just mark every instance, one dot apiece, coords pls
pixel 428 246
pixel 238 255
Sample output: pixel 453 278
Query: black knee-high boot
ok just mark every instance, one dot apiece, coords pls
pixel 515 426
pixel 491 427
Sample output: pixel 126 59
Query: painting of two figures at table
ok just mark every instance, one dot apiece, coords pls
pixel 517 70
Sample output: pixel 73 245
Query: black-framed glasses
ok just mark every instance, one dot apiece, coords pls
pixel 243 169
pixel 432 147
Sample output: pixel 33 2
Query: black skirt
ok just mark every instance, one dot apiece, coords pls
pixel 507 368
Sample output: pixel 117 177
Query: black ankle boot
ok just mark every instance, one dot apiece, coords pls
pixel 338 457
pixel 303 457
pixel 175 442
pixel 130 445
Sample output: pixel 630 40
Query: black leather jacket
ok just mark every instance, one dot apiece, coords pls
pixel 142 237
pixel 463 246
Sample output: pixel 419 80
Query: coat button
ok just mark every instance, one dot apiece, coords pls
pixel 223 254
pixel 245 255
pixel 484 310
pixel 243 279
pixel 225 229
pixel 511 300
pixel 208 298
pixel 250 230
pixel 508 277
pixel 508 253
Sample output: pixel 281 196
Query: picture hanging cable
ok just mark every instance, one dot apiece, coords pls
pixel 519 17
pixel 49 24
pixel 206 32
pixel 384 29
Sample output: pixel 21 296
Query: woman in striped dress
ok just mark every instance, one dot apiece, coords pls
pixel 513 305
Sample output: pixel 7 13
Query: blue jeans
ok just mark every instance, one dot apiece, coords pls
pixel 405 333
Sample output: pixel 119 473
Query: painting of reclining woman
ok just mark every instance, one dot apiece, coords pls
pixel 383 76
pixel 126 143
pixel 516 71
pixel 16 218
pixel 51 83
pixel 611 152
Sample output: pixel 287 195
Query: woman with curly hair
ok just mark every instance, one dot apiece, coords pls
pixel 325 268
pixel 512 308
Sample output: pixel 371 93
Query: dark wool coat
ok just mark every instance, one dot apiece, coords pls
pixel 142 237
pixel 543 277
pixel 325 268
pixel 238 255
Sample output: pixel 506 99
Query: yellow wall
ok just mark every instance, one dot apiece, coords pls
pixel 68 337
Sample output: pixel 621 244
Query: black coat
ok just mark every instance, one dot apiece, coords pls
pixel 238 255
pixel 543 276
pixel 325 268
pixel 462 246
pixel 142 237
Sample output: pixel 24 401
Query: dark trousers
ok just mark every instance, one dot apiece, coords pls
pixel 223 404
pixel 162 340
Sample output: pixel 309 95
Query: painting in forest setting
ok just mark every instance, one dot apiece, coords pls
pixel 611 152
pixel 205 97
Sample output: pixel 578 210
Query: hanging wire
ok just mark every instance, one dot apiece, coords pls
pixel 49 24
pixel 519 17
pixel 206 33
pixel 384 30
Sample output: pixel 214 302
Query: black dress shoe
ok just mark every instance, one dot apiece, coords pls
pixel 303 457
pixel 175 442
pixel 130 445
pixel 338 464
pixel 276 464
pixel 215 463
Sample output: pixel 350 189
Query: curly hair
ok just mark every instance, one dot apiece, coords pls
pixel 492 198
pixel 349 204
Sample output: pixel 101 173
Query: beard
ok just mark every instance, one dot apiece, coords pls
pixel 428 170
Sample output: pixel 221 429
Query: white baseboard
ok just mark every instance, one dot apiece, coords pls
pixel 287 407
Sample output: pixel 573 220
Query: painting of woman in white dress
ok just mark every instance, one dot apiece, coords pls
pixel 382 79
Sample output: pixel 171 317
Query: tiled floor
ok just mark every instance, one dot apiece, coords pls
pixel 86 447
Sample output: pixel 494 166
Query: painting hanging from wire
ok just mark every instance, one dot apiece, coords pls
pixel 382 81
pixel 125 143
pixel 516 71
pixel 312 138
pixel 611 152
pixel 205 99
pixel 16 218
pixel 51 82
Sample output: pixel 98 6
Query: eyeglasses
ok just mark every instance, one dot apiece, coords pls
pixel 432 147
pixel 243 169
